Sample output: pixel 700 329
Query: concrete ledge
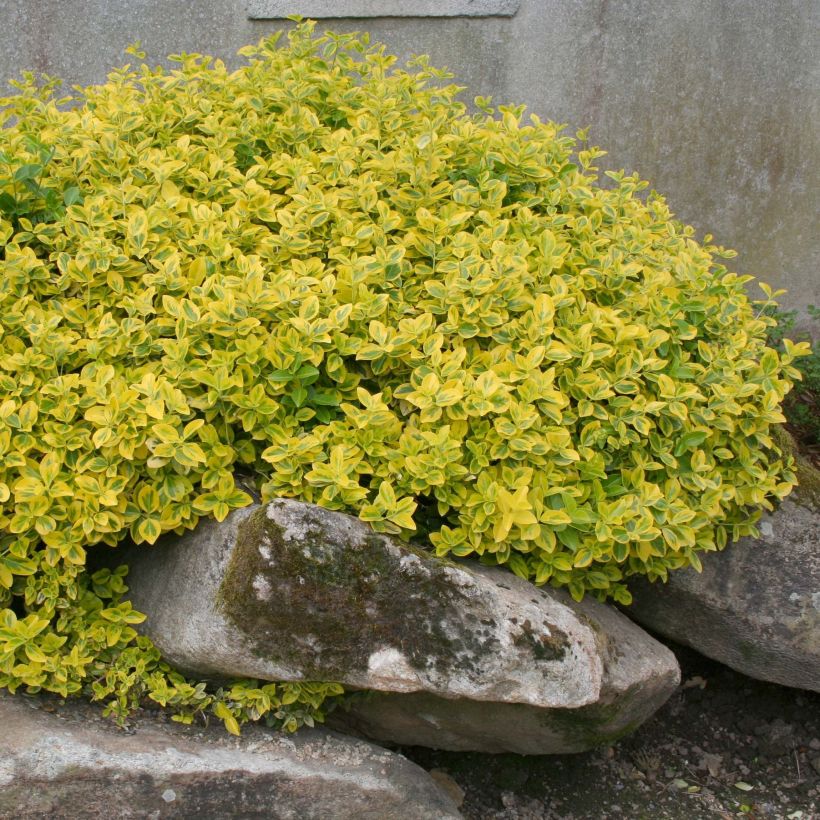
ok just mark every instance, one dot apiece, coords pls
pixel 278 9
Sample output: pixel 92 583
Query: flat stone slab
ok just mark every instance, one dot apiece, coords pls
pixel 292 591
pixel 70 763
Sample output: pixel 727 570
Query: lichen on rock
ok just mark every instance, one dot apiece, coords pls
pixel 293 591
pixel 344 602
pixel 387 596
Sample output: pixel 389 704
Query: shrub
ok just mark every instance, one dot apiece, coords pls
pixel 802 405
pixel 324 271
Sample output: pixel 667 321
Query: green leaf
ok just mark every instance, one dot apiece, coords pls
pixel 71 195
pixel 28 171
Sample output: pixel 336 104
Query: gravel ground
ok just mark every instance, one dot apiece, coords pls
pixel 724 746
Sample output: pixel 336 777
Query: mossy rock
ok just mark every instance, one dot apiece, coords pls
pixel 294 592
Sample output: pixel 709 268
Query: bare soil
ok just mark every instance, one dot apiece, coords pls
pixel 724 746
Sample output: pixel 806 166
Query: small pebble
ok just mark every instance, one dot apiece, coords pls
pixel 448 785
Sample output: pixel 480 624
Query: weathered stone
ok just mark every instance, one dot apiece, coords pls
pixel 291 591
pixel 73 764
pixel 756 605
pixel 638 676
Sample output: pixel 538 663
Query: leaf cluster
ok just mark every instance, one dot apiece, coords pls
pixel 802 405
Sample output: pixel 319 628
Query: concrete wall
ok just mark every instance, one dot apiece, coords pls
pixel 714 101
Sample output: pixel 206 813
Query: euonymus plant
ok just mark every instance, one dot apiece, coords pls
pixel 324 271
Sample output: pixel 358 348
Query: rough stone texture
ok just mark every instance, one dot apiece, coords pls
pixel 638 677
pixel 317 9
pixel 756 605
pixel 71 764
pixel 714 101
pixel 291 591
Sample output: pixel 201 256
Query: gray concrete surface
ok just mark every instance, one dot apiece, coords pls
pixel 316 9
pixel 714 101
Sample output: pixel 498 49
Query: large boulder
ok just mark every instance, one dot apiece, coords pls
pixel 73 764
pixel 637 677
pixel 291 591
pixel 756 605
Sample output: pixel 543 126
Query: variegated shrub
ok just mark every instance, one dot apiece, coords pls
pixel 323 271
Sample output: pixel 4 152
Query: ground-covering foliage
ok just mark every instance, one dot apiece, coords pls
pixel 323 271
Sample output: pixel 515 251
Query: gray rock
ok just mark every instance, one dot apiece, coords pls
pixel 756 605
pixel 73 764
pixel 638 676
pixel 291 591
pixel 450 786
